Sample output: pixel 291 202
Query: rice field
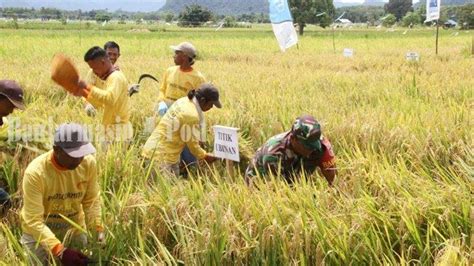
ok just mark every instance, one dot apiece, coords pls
pixel 401 131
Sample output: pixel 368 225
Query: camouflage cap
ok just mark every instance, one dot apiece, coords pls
pixel 307 131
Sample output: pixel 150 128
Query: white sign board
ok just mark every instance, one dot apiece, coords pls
pixel 413 56
pixel 433 8
pixel 226 143
pixel 348 52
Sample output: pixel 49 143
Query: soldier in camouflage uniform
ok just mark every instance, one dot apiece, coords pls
pixel 294 152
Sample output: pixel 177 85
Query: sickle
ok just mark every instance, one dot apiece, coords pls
pixel 146 76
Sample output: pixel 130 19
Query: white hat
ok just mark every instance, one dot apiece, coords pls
pixel 186 47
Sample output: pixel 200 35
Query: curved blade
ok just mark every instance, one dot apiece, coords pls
pixel 146 76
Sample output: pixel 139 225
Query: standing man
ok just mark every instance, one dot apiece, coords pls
pixel 61 186
pixel 112 49
pixel 11 98
pixel 110 94
pixel 291 153
pixel 177 81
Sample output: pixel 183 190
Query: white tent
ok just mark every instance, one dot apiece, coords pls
pixel 343 21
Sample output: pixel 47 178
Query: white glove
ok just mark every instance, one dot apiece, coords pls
pixel 161 108
pixel 90 110
pixel 134 88
pixel 101 238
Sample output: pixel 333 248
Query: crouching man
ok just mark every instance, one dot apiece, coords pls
pixel 294 153
pixel 60 187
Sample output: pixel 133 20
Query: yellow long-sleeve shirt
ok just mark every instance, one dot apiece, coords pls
pixel 3 142
pixel 48 192
pixel 4 131
pixel 93 79
pixel 179 127
pixel 112 96
pixel 177 83
pixel 3 242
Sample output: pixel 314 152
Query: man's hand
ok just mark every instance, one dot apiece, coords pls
pixel 134 88
pixel 81 89
pixel 330 174
pixel 72 257
pixel 101 239
pixel 161 108
pixel 210 158
pixel 90 110
pixel 203 144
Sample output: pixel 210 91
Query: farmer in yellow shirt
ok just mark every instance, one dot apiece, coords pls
pixel 111 94
pixel 182 125
pixel 112 49
pixel 11 98
pixel 177 82
pixel 61 184
pixel 113 52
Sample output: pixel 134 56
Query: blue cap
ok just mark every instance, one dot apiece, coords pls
pixel 4 196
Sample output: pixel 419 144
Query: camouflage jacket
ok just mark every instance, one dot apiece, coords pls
pixel 277 157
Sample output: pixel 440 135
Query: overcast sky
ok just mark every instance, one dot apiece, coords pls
pixel 112 5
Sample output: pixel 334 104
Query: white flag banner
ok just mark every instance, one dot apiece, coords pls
pixel 432 9
pixel 282 24
pixel 285 34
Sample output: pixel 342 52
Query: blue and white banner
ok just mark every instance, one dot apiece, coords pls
pixel 432 9
pixel 282 24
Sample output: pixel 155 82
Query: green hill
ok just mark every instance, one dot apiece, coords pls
pixel 222 7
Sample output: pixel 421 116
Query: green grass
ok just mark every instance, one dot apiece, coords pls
pixel 401 133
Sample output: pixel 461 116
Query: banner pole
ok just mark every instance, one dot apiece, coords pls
pixel 229 165
pixel 472 46
pixel 437 33
pixel 80 28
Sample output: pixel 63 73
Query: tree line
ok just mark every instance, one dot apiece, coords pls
pixel 203 15
pixel 320 12
pixel 406 15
